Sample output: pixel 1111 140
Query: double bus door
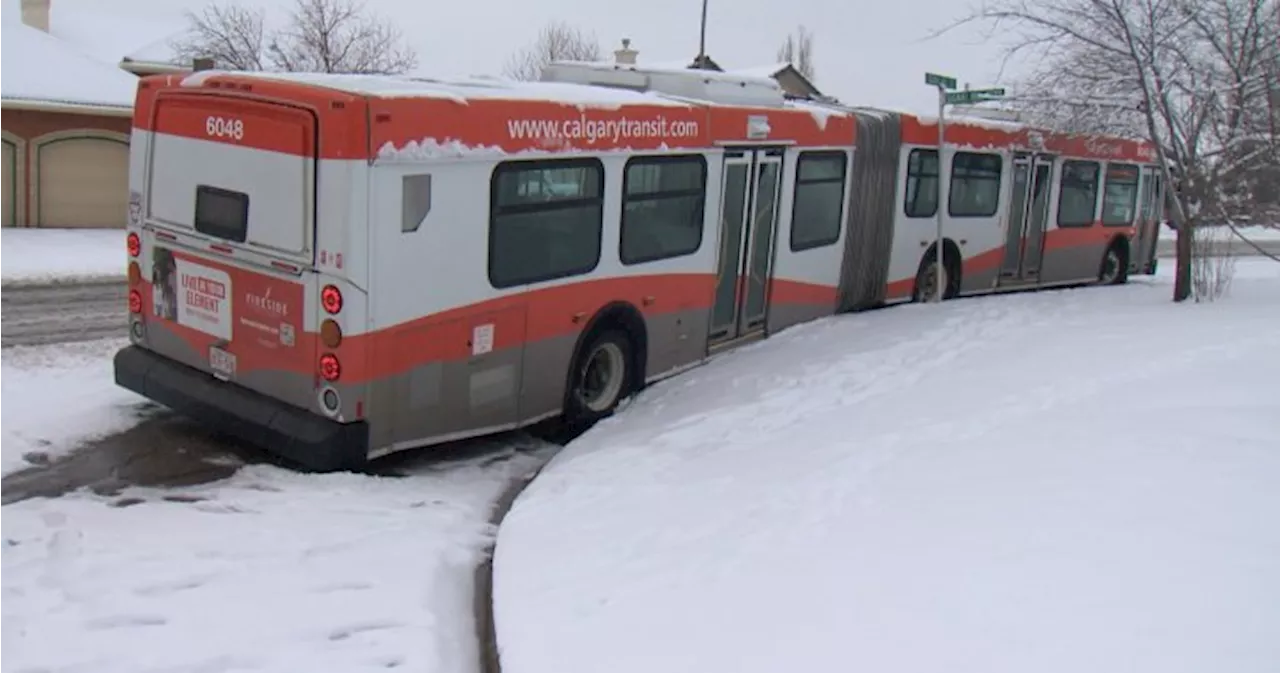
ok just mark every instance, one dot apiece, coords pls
pixel 1027 218
pixel 1147 230
pixel 748 233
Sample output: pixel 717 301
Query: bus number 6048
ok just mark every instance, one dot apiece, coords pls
pixel 221 127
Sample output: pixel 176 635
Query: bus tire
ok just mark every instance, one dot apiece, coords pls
pixel 1114 267
pixel 601 378
pixel 923 288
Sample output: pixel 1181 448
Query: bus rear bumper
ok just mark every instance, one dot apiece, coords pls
pixel 307 439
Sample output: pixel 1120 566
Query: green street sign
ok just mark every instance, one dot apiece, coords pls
pixel 943 81
pixel 973 96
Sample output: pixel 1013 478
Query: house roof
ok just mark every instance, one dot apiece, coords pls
pixel 113 38
pixel 41 70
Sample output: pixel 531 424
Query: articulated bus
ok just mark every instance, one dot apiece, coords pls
pixel 337 267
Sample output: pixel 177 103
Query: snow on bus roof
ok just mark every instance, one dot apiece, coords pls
pixel 459 90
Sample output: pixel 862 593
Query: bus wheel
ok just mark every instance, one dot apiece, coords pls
pixel 1115 268
pixel 601 377
pixel 926 288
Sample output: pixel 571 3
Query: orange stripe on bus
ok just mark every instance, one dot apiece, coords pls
pixel 525 317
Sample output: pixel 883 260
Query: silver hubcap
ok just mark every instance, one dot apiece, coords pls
pixel 929 283
pixel 1110 266
pixel 601 381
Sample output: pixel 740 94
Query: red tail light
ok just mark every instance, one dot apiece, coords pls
pixel 331 299
pixel 134 243
pixel 135 301
pixel 330 368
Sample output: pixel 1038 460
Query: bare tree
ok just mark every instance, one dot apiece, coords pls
pixel 233 36
pixel 557 41
pixel 1191 75
pixel 319 36
pixel 797 50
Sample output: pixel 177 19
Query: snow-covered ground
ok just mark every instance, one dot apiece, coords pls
pixel 61 255
pixel 268 571
pixel 1257 233
pixel 56 397
pixel 1079 480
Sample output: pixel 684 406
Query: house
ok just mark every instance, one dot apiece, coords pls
pixel 66 111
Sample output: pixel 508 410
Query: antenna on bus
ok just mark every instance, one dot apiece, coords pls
pixel 702 37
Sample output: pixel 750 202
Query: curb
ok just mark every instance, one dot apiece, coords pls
pixel 486 627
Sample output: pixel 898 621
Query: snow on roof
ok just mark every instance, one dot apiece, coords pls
pixel 735 77
pixel 112 38
pixel 459 90
pixel 43 68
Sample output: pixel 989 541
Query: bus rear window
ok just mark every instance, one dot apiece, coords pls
pixel 222 213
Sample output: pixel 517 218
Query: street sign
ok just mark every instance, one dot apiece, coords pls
pixel 973 96
pixel 943 81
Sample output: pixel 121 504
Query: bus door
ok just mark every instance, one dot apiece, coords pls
pixel 1027 218
pixel 748 231
pixel 1147 230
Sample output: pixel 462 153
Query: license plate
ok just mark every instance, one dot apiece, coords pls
pixel 222 363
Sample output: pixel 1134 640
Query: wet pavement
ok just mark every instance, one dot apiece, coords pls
pixel 162 450
pixel 165 450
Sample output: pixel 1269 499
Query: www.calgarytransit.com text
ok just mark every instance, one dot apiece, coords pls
pixel 596 130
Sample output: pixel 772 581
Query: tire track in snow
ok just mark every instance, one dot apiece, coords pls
pixel 61 313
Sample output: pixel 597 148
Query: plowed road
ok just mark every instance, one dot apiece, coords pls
pixel 49 314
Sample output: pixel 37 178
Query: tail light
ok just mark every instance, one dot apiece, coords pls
pixel 331 299
pixel 134 244
pixel 135 301
pixel 330 368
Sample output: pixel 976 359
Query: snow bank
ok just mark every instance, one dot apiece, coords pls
pixel 57 397
pixel 269 571
pixel 1061 481
pixel 1256 233
pixel 61 255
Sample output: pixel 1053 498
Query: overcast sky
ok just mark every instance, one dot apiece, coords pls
pixel 869 52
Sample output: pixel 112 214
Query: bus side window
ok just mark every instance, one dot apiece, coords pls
pixel 545 220
pixel 663 206
pixel 415 201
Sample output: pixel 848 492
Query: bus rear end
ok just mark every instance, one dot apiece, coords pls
pixel 244 283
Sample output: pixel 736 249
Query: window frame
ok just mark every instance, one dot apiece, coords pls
pixel 951 186
pixel 658 160
pixel 496 211
pixel 1097 189
pixel 1134 206
pixel 906 184
pixel 795 197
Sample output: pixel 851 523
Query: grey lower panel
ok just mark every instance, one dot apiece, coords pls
pixel 1075 263
pixel 509 386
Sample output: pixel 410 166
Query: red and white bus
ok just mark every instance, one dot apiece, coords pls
pixel 336 267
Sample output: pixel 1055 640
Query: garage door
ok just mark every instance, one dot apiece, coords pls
pixel 84 182
pixel 10 174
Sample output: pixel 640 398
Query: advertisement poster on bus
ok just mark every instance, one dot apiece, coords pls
pixel 193 295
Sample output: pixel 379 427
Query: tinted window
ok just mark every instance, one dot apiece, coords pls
pixel 1078 195
pixel 663 199
pixel 222 213
pixel 975 185
pixel 819 199
pixel 922 183
pixel 545 220
pixel 1120 194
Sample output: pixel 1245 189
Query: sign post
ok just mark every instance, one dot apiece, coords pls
pixel 947 95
